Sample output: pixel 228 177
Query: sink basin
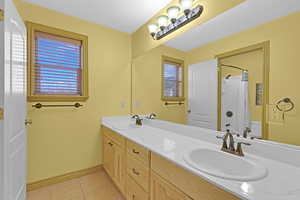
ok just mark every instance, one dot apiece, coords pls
pixel 225 165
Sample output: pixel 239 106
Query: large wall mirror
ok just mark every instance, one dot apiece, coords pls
pixel 246 82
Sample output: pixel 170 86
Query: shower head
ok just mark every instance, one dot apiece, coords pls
pixel 228 76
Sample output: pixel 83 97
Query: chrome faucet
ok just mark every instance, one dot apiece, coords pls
pixel 151 116
pixel 138 120
pixel 231 148
pixel 246 131
pixel 231 140
pixel 239 150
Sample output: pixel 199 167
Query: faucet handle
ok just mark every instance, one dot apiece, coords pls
pixel 224 145
pixel 220 137
pixel 152 116
pixel 135 117
pixel 239 149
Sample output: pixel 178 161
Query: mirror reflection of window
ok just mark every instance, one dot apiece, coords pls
pixel 172 79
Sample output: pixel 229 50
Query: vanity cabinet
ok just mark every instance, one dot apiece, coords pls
pixel 143 175
pixel 108 156
pixel 114 158
pixel 119 168
pixel 196 187
pixel 138 171
pixel 134 191
pixel 162 190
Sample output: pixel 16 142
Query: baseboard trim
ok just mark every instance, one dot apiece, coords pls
pixel 62 178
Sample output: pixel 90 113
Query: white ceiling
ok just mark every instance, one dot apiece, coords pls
pixel 126 16
pixel 248 14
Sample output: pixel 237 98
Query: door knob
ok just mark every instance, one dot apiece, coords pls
pixel 189 111
pixel 28 122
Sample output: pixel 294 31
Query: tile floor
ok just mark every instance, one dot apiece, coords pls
pixel 97 186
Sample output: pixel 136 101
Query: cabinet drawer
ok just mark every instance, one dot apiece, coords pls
pixel 118 139
pixel 134 191
pixel 138 172
pixel 138 152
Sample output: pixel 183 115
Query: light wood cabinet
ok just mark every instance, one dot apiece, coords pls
pixel 142 175
pixel 138 172
pixel 196 187
pixel 134 191
pixel 138 152
pixel 108 156
pixel 114 161
pixel 162 190
pixel 119 168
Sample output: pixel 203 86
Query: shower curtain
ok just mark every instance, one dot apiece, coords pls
pixel 235 101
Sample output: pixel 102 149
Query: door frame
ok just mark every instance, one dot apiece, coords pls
pixel 265 47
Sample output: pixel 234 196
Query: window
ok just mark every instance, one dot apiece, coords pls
pixel 57 64
pixel 172 79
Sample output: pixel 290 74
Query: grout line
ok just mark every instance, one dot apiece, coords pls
pixel 81 188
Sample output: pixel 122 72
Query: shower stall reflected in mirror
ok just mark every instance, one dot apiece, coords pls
pixel 242 78
pixel 235 111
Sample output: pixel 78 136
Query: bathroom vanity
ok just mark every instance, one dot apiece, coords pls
pixel 140 173
pixel 148 162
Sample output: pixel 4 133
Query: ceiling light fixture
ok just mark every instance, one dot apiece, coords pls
pixel 153 29
pixel 162 22
pixel 186 6
pixel 163 27
pixel 173 13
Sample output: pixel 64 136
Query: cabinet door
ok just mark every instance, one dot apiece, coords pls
pixel 119 167
pixel 108 156
pixel 162 190
pixel 134 191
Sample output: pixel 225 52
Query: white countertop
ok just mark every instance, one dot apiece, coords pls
pixel 281 183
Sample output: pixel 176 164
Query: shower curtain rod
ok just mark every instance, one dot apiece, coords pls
pixel 235 67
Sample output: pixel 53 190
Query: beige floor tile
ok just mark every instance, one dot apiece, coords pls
pixel 96 186
pixel 40 194
pixel 95 181
pixel 106 193
pixel 70 190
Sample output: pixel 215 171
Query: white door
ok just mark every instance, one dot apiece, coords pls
pixel 13 100
pixel 203 94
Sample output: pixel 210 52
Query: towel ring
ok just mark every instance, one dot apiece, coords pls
pixel 287 101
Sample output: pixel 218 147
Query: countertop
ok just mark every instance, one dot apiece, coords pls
pixel 281 183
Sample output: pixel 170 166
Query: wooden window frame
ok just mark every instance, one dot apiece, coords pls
pixel 31 97
pixel 180 63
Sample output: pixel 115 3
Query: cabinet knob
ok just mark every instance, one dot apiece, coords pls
pixel 136 152
pixel 111 144
pixel 135 172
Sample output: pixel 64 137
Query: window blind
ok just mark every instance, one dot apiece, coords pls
pixel 172 77
pixel 57 65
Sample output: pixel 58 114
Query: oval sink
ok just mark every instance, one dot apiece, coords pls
pixel 225 165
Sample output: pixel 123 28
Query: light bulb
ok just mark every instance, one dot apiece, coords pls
pixel 152 29
pixel 186 6
pixel 162 21
pixel 173 13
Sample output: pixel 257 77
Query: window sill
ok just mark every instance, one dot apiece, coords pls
pixel 57 98
pixel 173 99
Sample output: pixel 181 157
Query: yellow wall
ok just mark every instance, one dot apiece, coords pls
pixel 143 42
pixel 253 62
pixel 147 83
pixel 284 66
pixel 63 140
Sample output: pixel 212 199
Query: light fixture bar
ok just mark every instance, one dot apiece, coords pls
pixel 180 22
